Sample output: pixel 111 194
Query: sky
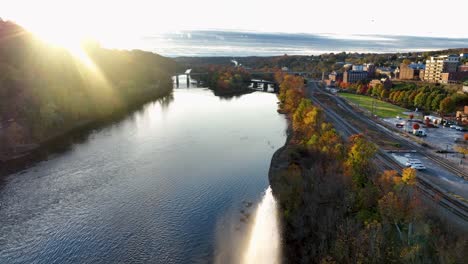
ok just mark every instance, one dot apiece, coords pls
pixel 119 21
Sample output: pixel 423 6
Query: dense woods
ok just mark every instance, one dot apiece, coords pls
pixel 336 207
pixel 46 90
pixel 225 80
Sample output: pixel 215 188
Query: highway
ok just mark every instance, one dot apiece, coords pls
pixel 385 161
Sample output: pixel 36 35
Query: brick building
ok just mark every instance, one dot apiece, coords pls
pixel 411 71
pixel 453 77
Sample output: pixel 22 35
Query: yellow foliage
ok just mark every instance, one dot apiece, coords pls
pixel 409 176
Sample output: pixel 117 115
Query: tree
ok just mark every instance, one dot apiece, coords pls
pixel 420 99
pixel 447 106
pixel 409 176
pixel 436 102
pixel 384 94
pixel 358 163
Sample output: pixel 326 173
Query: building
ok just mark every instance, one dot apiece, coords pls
pixel 438 65
pixel 333 78
pixel 354 76
pixel 411 71
pixel 386 82
pixel 462 116
pixel 421 74
pixel 358 68
pixel 453 77
pixel 389 72
pixel 336 76
pixel 463 68
pixel 370 69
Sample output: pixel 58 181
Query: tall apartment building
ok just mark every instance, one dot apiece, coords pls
pixel 438 65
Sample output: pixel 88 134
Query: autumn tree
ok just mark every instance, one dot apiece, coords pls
pixel 447 105
pixel 358 163
pixel 408 176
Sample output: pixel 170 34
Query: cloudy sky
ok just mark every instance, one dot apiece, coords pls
pixel 111 20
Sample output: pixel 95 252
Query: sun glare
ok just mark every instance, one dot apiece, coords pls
pixel 71 41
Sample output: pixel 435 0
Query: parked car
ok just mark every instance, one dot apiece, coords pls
pixel 400 125
pixel 420 133
pixel 459 128
pixel 412 162
pixel 418 167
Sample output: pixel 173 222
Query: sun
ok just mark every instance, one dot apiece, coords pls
pixel 70 40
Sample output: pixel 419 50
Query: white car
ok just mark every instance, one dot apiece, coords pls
pixel 412 162
pixel 418 166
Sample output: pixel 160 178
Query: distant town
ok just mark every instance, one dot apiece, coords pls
pixel 444 69
pixel 447 70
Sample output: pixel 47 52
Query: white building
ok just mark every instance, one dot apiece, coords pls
pixel 438 65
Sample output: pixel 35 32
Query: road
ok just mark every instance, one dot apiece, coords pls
pixel 428 182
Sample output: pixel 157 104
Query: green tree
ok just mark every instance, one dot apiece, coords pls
pixel 436 102
pixel 420 99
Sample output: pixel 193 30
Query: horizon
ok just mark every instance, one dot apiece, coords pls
pixel 128 23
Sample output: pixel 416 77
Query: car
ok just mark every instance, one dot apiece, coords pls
pixel 459 128
pixel 453 126
pixel 420 133
pixel 400 125
pixel 411 162
pixel 418 167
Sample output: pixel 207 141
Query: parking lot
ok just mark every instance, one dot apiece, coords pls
pixel 436 174
pixel 443 138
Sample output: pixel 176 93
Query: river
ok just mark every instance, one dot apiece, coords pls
pixel 163 185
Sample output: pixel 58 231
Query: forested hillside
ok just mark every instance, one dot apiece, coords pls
pixel 46 90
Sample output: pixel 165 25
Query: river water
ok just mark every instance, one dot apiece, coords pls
pixel 161 186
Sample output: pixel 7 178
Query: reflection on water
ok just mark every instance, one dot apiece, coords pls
pixel 148 189
pixel 264 239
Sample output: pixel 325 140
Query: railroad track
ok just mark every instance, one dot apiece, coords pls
pixel 452 168
pixel 384 161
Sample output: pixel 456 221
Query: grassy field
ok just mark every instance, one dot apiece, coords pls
pixel 381 109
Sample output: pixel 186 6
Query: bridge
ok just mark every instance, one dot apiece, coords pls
pixel 255 83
